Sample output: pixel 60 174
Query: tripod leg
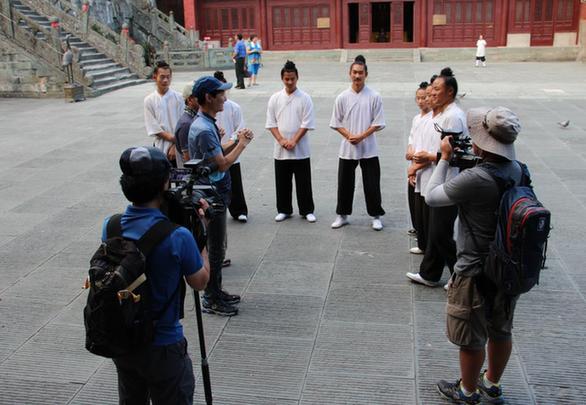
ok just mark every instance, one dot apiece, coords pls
pixel 205 369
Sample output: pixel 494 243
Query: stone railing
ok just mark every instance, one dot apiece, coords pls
pixel 119 47
pixel 157 27
pixel 197 59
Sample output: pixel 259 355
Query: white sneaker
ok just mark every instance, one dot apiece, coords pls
pixel 310 218
pixel 281 217
pixel 415 277
pixel 340 221
pixel 446 286
pixel 377 225
pixel 416 251
pixel 242 218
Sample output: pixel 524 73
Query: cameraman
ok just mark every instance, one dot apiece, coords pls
pixel 477 311
pixel 163 370
pixel 205 143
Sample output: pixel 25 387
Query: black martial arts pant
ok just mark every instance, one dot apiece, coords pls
pixel 284 171
pixel 238 203
pixel 370 181
pixel 441 247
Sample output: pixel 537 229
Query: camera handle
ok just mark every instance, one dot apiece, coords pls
pixel 205 368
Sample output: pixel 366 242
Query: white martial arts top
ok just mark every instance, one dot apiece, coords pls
pixel 161 113
pixel 481 48
pixel 288 113
pixel 425 138
pixel 231 120
pixel 452 119
pixel 357 112
pixel 415 123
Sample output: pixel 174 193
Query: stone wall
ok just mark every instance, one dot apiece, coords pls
pixel 23 75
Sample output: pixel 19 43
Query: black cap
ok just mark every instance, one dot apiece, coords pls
pixel 144 161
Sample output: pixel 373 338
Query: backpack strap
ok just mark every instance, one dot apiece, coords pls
pixel 155 235
pixel 114 226
pixel 503 181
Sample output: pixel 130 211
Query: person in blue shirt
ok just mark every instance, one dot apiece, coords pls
pixel 162 371
pixel 239 57
pixel 254 51
pixel 204 142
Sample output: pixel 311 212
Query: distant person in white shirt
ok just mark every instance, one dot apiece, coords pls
pixel 358 114
pixel 231 120
pixel 162 110
pixel 480 51
pixel 289 117
pixel 417 139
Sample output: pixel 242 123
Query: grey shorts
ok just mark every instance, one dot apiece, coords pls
pixel 468 325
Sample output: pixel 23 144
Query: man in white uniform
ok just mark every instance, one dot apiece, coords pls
pixel 162 110
pixel 231 120
pixel 357 115
pixel 480 51
pixel 289 117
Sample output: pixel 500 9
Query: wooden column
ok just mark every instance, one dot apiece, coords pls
pixel 582 32
pixel 190 15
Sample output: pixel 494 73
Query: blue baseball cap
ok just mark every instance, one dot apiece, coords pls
pixel 208 84
pixel 144 161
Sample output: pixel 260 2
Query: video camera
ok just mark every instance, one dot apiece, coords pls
pixel 187 187
pixel 463 156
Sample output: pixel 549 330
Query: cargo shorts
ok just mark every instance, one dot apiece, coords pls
pixel 468 324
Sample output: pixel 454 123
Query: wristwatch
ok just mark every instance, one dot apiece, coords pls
pixel 234 139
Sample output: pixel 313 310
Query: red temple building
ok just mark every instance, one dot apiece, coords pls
pixel 329 24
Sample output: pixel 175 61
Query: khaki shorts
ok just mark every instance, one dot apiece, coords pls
pixel 467 322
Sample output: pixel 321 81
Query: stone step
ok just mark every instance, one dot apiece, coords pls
pixel 105 73
pixel 82 45
pixel 102 66
pixel 87 56
pixel 115 86
pixel 101 61
pixel 113 79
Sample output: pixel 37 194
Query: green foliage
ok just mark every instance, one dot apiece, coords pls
pixel 106 35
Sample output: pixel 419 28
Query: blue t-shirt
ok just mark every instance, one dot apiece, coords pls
pixel 175 257
pixel 204 143
pixel 240 49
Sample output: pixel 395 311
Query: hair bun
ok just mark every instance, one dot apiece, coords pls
pixel 423 85
pixel 220 76
pixel 289 65
pixel 360 58
pixel 447 72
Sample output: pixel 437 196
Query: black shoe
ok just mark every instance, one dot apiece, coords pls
pixel 229 298
pixel 492 395
pixel 218 307
pixel 452 392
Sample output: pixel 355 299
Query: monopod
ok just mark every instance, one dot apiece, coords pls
pixel 205 368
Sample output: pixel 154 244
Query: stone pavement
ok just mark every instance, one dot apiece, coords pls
pixel 327 315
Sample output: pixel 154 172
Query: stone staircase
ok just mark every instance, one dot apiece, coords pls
pixel 101 73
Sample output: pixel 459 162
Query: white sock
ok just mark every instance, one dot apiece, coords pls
pixel 465 391
pixel 489 383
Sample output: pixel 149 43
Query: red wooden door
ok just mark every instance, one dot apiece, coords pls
pixel 308 25
pixel 222 20
pixel 459 22
pixel 542 23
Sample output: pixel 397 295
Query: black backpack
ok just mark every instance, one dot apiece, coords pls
pixel 118 318
pixel 517 253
